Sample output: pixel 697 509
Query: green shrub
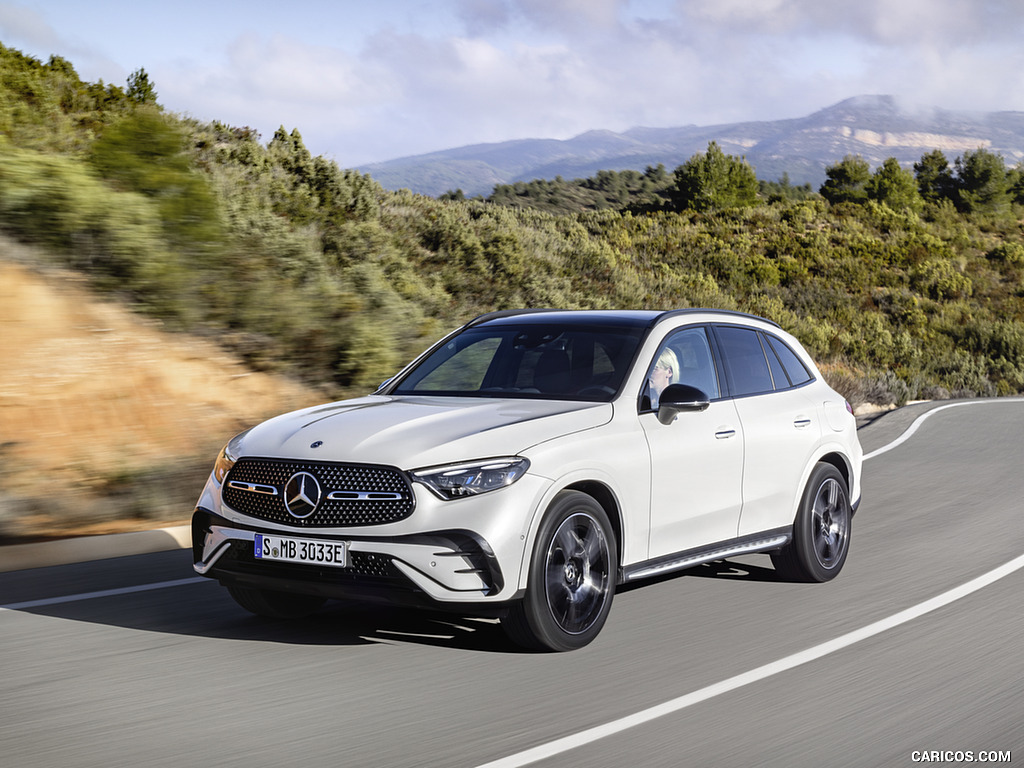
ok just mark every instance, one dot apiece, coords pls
pixel 1011 254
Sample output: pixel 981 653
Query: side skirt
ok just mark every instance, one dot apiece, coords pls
pixel 765 541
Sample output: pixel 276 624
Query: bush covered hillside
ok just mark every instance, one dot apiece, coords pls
pixel 903 283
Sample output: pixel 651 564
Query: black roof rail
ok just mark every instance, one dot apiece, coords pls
pixel 506 313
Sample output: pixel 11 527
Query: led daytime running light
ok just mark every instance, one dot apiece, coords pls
pixel 227 457
pixel 456 481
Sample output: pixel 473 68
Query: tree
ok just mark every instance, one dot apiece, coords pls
pixel 656 174
pixel 145 152
pixel 895 186
pixel 290 151
pixel 783 189
pixel 1015 180
pixel 847 180
pixel 934 178
pixel 140 89
pixel 714 180
pixel 982 182
pixel 62 66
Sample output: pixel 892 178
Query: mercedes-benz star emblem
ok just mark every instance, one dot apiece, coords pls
pixel 301 495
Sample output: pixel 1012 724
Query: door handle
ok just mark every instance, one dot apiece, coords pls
pixel 801 421
pixel 724 434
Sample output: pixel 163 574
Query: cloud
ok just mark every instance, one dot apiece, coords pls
pixel 399 80
pixel 482 17
pixel 953 23
pixel 287 70
pixel 533 68
pixel 572 18
pixel 20 23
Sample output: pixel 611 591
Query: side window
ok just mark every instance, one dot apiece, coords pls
pixel 744 360
pixel 684 358
pixel 779 376
pixel 794 366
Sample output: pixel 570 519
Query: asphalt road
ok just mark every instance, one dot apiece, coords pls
pixel 178 675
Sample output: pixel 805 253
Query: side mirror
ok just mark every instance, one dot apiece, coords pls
pixel 678 398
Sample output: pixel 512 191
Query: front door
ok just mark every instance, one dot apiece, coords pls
pixel 696 461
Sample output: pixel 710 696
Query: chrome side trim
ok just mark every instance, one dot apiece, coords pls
pixel 690 559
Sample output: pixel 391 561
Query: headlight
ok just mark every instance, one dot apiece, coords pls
pixel 456 481
pixel 227 458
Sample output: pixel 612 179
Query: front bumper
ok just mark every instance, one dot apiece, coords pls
pixel 426 569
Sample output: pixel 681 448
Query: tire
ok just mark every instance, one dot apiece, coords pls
pixel 821 531
pixel 275 605
pixel 572 577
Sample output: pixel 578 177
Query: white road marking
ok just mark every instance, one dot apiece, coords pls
pixel 102 593
pixel 590 735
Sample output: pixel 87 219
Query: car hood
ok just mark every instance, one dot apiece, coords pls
pixel 412 432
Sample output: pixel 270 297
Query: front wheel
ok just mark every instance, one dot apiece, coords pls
pixel 572 577
pixel 821 531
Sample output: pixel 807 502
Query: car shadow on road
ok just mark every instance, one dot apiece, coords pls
pixel 731 570
pixel 203 610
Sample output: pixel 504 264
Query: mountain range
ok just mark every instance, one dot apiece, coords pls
pixel 874 127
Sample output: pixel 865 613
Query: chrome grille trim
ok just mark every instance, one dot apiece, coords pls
pixel 254 488
pixel 363 496
pixel 354 494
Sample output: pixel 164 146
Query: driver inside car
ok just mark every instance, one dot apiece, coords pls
pixel 665 372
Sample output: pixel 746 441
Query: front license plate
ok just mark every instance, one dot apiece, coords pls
pixel 308 551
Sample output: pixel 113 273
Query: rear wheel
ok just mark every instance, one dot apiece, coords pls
pixel 821 531
pixel 571 580
pixel 275 605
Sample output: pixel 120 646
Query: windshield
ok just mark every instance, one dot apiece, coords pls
pixel 555 361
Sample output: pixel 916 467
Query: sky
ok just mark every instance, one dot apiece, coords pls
pixel 371 80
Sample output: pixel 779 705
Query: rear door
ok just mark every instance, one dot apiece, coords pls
pixel 781 425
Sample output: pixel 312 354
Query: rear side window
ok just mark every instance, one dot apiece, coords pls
pixel 795 370
pixel 744 360
pixel 778 373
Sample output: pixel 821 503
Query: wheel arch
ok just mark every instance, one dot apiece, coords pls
pixel 604 496
pixel 839 461
pixel 832 456
pixel 562 608
pixel 598 490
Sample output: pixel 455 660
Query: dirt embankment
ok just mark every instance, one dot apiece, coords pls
pixel 108 423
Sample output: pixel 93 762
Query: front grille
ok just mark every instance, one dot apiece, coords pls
pixel 256 487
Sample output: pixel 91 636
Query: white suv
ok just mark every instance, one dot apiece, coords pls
pixel 532 461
